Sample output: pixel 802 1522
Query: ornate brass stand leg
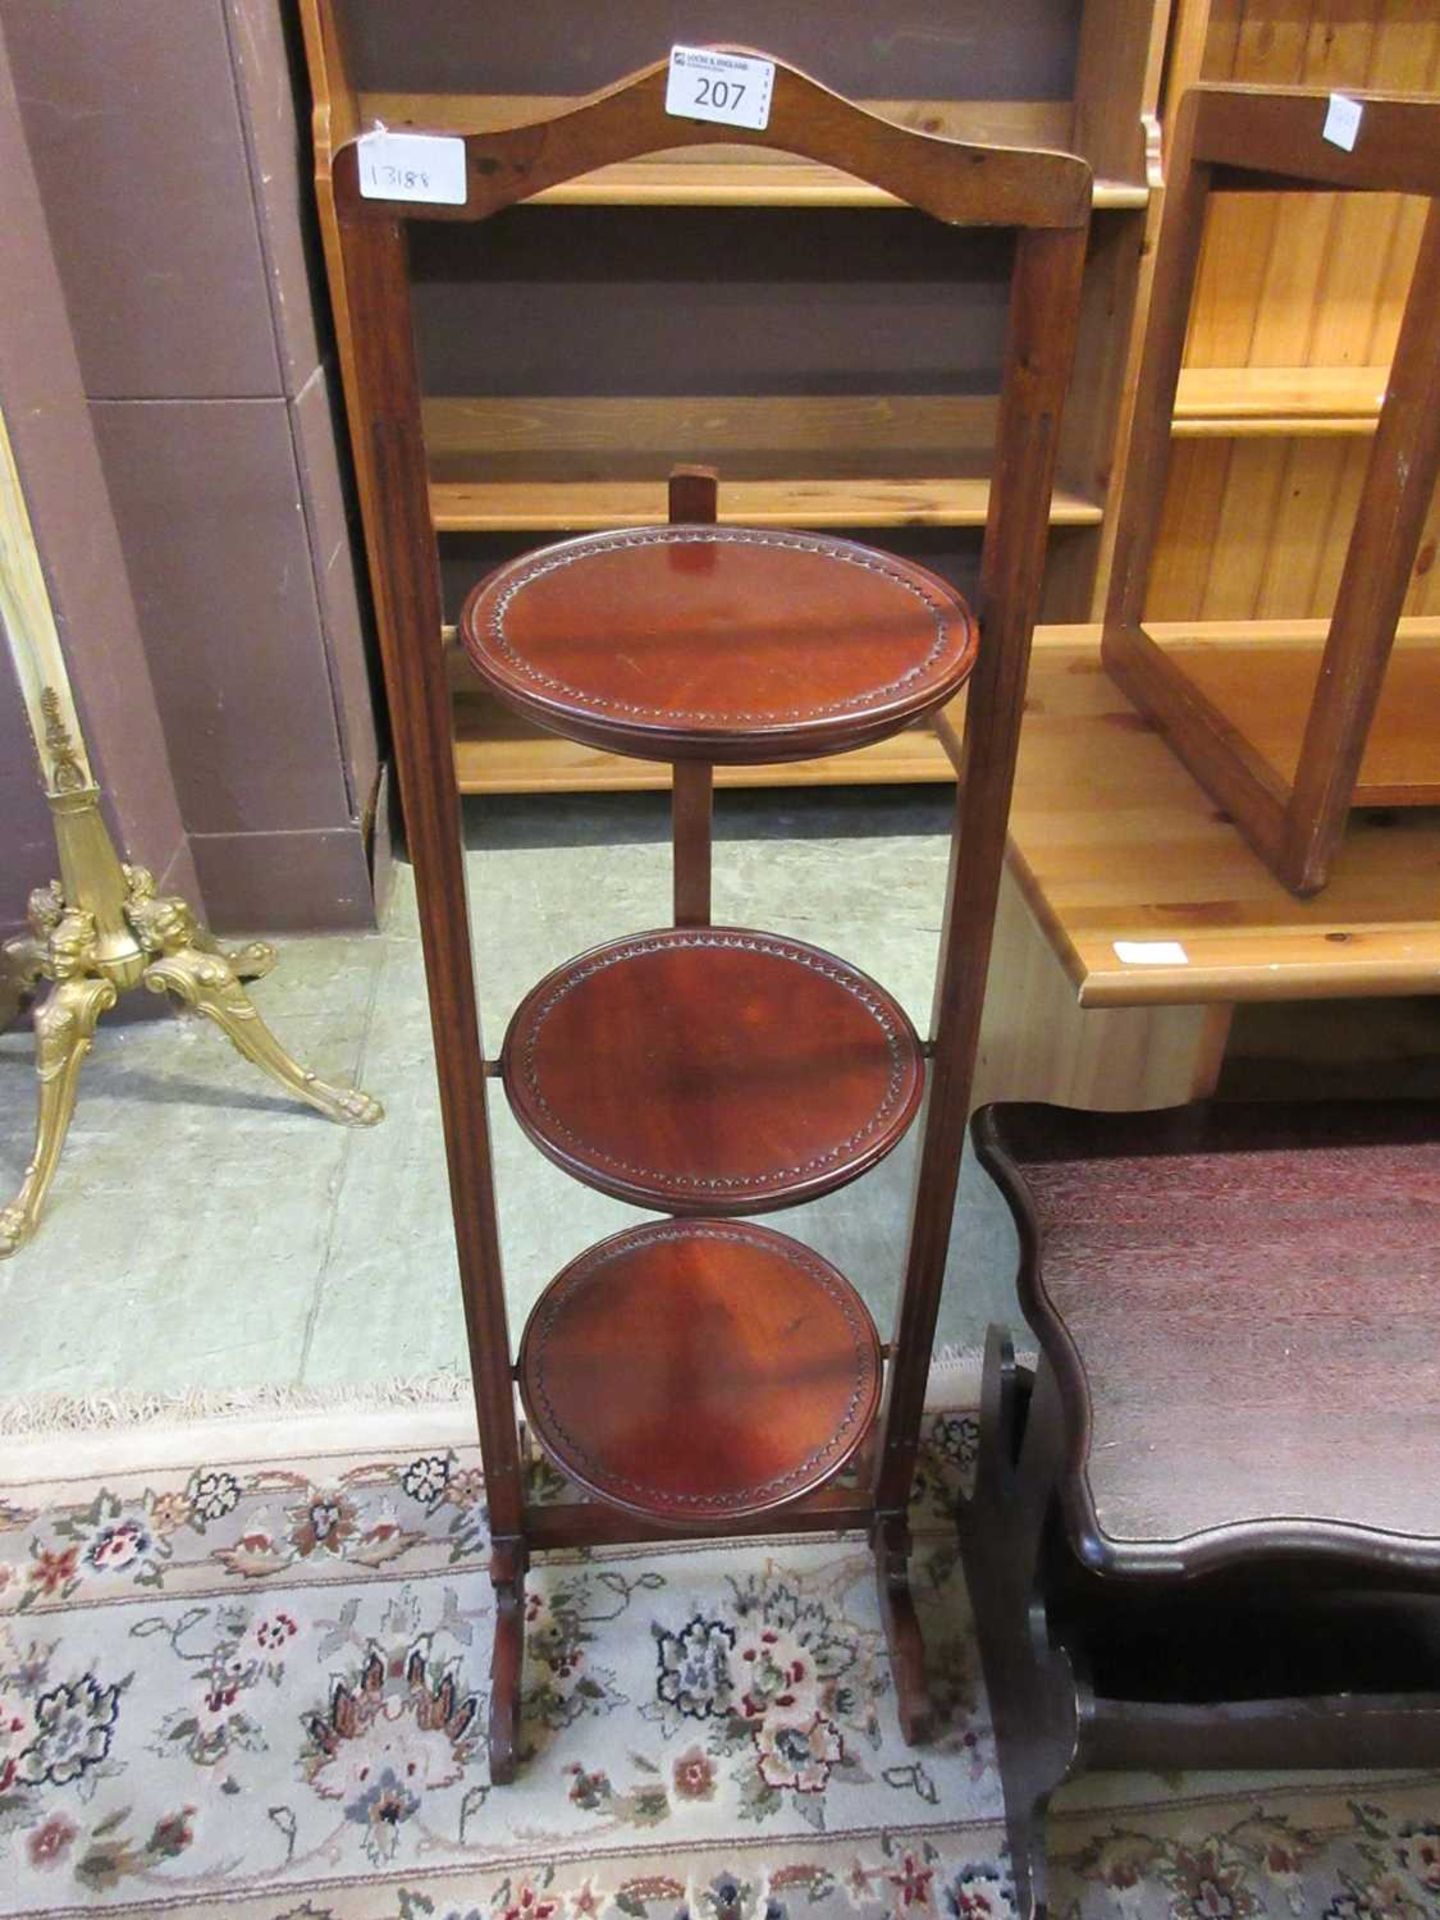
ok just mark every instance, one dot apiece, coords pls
pixel 507 1576
pixel 99 931
pixel 22 963
pixel 208 983
pixel 250 962
pixel 891 1545
pixel 64 1028
pixel 190 964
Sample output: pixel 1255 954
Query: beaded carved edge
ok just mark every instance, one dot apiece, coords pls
pixel 590 1267
pixel 903 1061
pixel 944 615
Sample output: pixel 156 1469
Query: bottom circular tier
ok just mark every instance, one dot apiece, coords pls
pixel 696 1372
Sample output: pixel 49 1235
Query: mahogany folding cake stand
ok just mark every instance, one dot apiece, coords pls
pixel 703 1373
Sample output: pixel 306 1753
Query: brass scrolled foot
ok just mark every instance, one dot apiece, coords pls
pixel 252 961
pixel 65 1024
pixel 208 983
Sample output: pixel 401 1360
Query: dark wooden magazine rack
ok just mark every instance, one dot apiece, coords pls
pixel 1291 802
pixel 1205 1531
pixel 703 1373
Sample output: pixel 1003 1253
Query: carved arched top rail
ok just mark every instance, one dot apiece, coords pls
pixel 962 184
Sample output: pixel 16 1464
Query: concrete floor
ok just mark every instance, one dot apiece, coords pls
pixel 205 1233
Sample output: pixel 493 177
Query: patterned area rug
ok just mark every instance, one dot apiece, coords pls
pixel 259 1690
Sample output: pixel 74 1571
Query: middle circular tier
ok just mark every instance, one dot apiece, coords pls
pixel 712 1070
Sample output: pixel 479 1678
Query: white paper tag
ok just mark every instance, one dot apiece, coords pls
pixel 1342 122
pixel 1151 953
pixel 731 88
pixel 413 166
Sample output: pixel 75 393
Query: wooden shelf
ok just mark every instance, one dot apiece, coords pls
pixel 1261 675
pixel 587 464
pixel 495 752
pixel 1111 839
pixel 728 176
pixel 1234 402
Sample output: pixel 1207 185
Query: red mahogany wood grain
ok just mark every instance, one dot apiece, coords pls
pixel 732 644
pixel 712 1070
pixel 700 1371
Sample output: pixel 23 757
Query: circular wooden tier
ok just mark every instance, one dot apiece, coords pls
pixel 699 1371
pixel 718 643
pixel 712 1070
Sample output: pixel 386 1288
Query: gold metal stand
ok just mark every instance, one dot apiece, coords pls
pixel 102 929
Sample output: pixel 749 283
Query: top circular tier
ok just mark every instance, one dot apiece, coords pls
pixel 729 644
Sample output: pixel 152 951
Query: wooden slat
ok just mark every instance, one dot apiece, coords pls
pixel 562 506
pixel 863 433
pixel 1217 556
pixel 550 465
pixel 730 176
pixel 580 463
pixel 1235 401
pixel 1112 840
pixel 495 752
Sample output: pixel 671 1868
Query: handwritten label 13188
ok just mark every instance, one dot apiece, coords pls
pixel 412 166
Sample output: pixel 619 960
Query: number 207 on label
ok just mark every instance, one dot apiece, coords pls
pixel 729 88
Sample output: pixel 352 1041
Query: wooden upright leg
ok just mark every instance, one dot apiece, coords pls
pixel 508 1561
pixel 694 498
pixel 691 805
pixel 891 1543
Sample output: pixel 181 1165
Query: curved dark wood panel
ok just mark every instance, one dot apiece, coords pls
pixel 1238 1304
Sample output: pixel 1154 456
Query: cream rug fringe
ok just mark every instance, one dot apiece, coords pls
pixel 58 1435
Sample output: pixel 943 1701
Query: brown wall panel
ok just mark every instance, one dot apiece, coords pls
pixel 266 72
pixel 286 882
pixel 175 175
pixel 133 123
pixel 332 532
pixel 205 494
pixel 909 49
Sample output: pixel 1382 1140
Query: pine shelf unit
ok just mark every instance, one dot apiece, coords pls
pixel 589 464
pixel 1293 323
pixel 505 464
